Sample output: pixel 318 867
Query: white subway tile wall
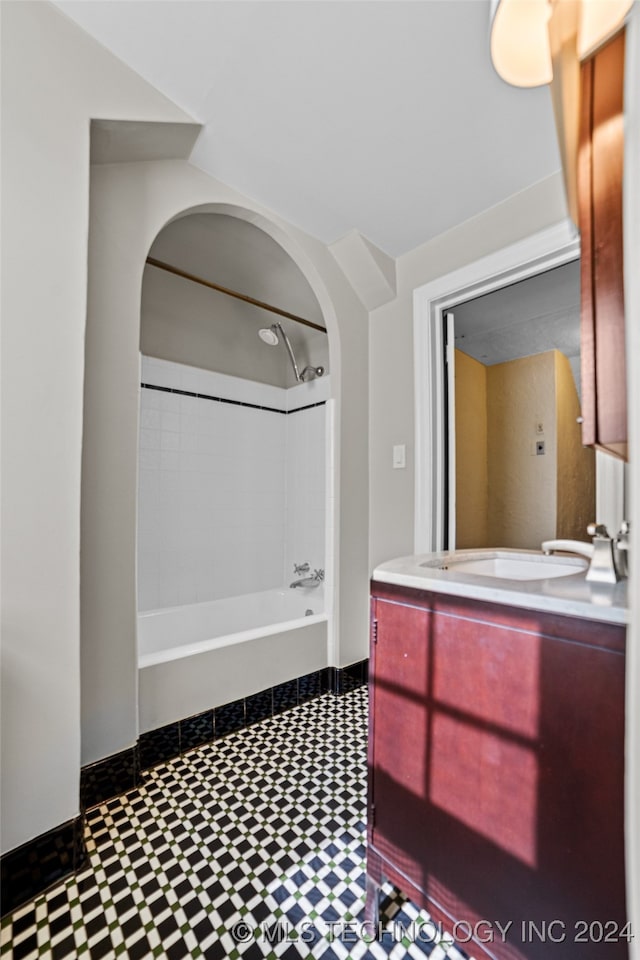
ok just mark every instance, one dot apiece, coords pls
pixel 229 496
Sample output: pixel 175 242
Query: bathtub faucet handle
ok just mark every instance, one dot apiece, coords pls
pixel 299 568
pixel 318 574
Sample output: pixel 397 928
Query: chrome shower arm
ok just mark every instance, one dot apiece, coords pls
pixel 289 351
pixel 273 335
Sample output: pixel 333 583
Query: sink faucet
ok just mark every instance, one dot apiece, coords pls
pixel 602 568
pixel 622 550
pixel 312 581
pixel 608 557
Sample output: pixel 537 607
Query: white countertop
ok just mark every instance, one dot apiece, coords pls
pixel 571 596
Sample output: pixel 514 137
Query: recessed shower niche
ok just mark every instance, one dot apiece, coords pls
pixel 235 425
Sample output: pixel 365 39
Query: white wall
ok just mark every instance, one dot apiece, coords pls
pixel 306 478
pixel 54 79
pixel 190 323
pixel 229 496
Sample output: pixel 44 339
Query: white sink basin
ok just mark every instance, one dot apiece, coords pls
pixel 506 565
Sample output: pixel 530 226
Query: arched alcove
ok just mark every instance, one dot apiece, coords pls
pixel 130 206
pixel 235 441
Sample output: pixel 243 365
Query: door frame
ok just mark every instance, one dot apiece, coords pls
pixel 540 252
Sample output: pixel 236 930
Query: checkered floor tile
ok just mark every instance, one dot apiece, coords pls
pixel 250 847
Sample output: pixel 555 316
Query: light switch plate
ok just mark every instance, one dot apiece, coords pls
pixel 399 456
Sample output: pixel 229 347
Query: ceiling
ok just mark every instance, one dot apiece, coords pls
pixel 383 116
pixel 532 316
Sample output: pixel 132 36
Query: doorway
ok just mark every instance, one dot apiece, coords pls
pixel 518 472
pixel 527 258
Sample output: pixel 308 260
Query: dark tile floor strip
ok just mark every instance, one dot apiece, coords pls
pixel 252 846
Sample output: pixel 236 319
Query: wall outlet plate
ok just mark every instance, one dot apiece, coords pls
pixel 539 448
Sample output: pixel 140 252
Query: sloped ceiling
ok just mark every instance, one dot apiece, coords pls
pixel 385 117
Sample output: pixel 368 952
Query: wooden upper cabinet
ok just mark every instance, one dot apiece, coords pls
pixel 600 165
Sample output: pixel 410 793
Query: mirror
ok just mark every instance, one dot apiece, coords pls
pixel 521 472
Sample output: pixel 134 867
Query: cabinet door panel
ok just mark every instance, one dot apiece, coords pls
pixel 600 172
pixel 497 772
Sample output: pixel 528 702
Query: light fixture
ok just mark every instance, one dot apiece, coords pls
pixel 521 48
pixel 534 42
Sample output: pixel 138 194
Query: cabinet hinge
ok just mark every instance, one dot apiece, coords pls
pixel 372 814
pixel 374 631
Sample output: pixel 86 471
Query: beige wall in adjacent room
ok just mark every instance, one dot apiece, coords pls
pixel 506 495
pixel 576 495
pixel 522 486
pixel 471 451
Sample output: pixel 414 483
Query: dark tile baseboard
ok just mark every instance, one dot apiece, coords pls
pixel 110 777
pixel 35 866
pixel 170 741
pixel 348 678
pixel 29 870
pixel 174 739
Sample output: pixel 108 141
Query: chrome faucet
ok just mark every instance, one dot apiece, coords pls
pixel 580 547
pixel 608 557
pixel 622 550
pixel 602 568
pixel 312 581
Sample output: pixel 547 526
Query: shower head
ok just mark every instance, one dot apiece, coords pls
pixel 269 335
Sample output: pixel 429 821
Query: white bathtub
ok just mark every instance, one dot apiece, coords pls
pixel 195 657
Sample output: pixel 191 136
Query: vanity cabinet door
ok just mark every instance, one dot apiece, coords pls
pixel 497 770
pixel 600 166
pixel 401 666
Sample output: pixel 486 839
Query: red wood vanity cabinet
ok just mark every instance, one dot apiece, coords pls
pixel 496 772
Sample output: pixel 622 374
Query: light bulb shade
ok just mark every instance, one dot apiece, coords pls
pixel 520 42
pixel 599 20
pixel 520 49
